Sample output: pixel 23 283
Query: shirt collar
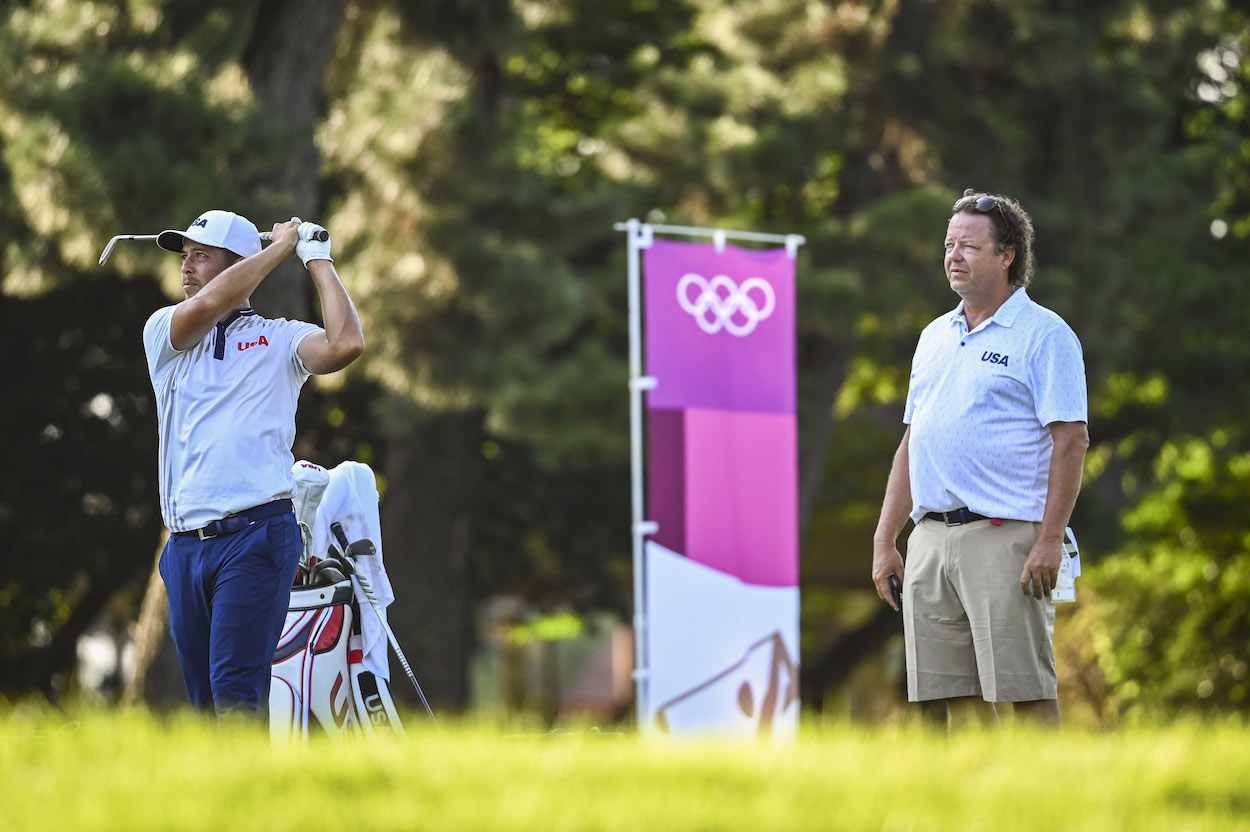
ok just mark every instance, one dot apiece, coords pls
pixel 219 341
pixel 235 315
pixel 1006 314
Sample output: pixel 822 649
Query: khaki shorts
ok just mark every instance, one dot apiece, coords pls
pixel 969 629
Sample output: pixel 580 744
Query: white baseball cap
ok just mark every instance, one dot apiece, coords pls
pixel 223 229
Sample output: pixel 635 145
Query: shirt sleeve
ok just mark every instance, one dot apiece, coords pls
pixel 156 343
pixel 300 331
pixel 1058 378
pixel 921 350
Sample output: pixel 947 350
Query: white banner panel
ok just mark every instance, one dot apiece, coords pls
pixel 723 653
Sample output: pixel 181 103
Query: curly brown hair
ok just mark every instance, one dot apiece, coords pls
pixel 1013 229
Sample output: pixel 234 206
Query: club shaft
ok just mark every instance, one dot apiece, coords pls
pixel 320 235
pixel 363 587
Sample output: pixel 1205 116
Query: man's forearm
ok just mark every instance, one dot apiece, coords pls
pixel 235 285
pixel 343 339
pixel 896 507
pixel 344 333
pixel 194 318
pixel 1067 464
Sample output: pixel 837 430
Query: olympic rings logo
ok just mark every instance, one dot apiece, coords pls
pixel 720 303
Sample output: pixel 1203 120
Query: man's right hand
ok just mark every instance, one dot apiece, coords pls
pixel 285 235
pixel 886 561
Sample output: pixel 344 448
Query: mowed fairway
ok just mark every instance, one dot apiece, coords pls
pixel 134 771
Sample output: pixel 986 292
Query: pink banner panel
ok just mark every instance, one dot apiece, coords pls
pixel 740 512
pixel 719 327
pixel 666 487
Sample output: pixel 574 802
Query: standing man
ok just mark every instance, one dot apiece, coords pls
pixel 989 469
pixel 227 382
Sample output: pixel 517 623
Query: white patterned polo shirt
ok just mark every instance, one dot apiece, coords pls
pixel 979 404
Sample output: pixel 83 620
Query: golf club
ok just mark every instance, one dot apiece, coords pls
pixel 362 585
pixel 320 235
pixel 108 249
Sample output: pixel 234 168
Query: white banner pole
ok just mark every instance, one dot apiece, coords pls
pixel 640 236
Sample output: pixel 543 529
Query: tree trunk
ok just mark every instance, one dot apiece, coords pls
pixel 432 476
pixel 817 429
pixel 285 60
pixel 157 678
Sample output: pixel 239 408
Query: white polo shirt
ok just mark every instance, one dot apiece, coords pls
pixel 226 416
pixel 979 404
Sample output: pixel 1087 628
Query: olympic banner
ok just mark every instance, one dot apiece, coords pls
pixel 722 486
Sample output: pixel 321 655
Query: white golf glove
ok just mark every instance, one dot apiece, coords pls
pixel 310 249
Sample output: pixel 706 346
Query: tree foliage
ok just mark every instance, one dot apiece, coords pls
pixel 471 157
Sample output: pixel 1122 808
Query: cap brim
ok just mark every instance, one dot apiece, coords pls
pixel 171 240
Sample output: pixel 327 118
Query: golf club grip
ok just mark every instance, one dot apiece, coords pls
pixel 320 236
pixel 336 528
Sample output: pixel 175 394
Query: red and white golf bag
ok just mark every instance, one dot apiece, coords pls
pixel 330 671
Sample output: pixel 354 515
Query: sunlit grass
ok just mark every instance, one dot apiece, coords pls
pixel 135 771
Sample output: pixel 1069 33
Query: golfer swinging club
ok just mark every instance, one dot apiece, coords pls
pixel 227 382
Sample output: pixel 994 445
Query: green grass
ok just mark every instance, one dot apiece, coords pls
pixel 134 771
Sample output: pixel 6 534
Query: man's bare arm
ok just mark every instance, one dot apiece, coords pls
pixel 343 339
pixel 895 510
pixel 196 316
pixel 1067 463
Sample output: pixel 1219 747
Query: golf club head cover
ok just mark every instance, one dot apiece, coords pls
pixel 310 484
pixel 309 249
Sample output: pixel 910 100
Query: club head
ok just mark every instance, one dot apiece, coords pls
pixel 364 546
pixel 108 249
pixel 326 572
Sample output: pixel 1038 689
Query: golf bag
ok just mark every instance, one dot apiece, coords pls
pixel 328 675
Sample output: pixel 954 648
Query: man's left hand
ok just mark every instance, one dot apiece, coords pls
pixel 309 249
pixel 1041 570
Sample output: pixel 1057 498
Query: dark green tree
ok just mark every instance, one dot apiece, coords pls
pixel 124 117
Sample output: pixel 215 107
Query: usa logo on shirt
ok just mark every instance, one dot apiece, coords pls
pixel 994 358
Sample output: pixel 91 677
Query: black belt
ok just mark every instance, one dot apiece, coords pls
pixel 957 517
pixel 237 522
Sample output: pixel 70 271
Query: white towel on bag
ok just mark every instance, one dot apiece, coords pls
pixel 351 498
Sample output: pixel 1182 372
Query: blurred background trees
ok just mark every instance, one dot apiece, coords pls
pixel 470 159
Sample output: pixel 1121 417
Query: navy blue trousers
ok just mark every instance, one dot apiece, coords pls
pixel 228 599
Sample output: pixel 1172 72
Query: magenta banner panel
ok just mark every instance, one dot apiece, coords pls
pixel 741 501
pixel 719 327
pixel 724 491
pixel 722 478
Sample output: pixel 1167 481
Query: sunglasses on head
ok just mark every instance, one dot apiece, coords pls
pixel 984 204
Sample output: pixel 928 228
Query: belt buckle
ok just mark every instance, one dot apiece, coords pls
pixel 203 536
pixel 946 518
